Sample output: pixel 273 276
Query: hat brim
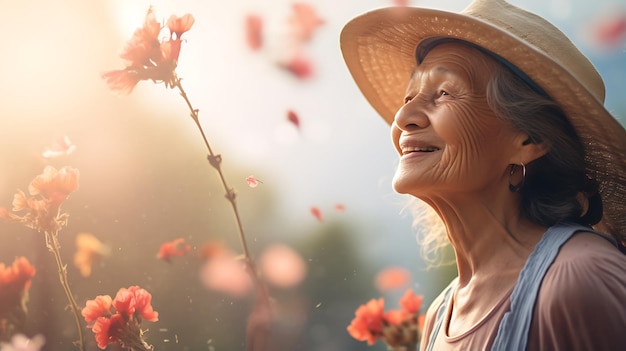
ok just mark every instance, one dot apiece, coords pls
pixel 379 49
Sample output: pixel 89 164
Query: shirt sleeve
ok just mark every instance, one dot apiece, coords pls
pixel 582 300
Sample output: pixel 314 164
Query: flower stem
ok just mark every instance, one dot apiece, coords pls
pixel 215 161
pixel 52 242
pixel 258 327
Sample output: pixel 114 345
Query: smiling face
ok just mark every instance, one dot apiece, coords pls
pixel 448 138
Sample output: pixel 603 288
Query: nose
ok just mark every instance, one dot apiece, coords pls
pixel 412 116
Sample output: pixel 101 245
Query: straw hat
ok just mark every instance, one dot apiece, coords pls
pixel 379 49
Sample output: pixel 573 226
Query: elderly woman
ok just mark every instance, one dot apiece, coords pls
pixel 499 124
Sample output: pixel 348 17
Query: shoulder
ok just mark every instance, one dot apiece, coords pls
pixel 580 302
pixel 585 259
pixel 587 269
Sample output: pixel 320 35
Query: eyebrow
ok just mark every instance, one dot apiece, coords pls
pixel 438 69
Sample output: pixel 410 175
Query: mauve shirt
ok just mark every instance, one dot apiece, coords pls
pixel 581 305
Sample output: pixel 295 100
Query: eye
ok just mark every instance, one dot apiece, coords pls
pixel 443 93
pixel 408 99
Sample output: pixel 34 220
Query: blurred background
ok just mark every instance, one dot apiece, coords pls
pixel 145 180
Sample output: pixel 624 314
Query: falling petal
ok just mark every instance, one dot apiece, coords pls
pixel 402 3
pixel 282 266
pixel 252 181
pixel 317 213
pixel 392 278
pixel 174 248
pixel 254 32
pixel 304 21
pixel 61 147
pixel 293 118
pixel 300 66
pixel 89 250
pixel 611 30
pixel 340 208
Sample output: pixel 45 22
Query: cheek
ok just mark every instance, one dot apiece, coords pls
pixel 471 136
pixel 395 137
pixel 468 128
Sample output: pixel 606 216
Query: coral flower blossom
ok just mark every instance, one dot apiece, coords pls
pixel 367 325
pixel 48 191
pixel 149 58
pixel 119 319
pixel 411 302
pixel 398 328
pixel 174 248
pixel 15 282
pixel 99 307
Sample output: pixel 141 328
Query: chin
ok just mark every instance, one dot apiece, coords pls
pixel 402 185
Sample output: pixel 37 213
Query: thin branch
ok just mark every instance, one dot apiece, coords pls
pixel 52 242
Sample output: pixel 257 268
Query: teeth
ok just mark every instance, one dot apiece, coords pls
pixel 406 150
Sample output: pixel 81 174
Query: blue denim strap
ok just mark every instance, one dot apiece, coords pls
pixel 440 316
pixel 515 325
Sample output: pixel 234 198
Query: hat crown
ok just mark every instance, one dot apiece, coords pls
pixel 542 36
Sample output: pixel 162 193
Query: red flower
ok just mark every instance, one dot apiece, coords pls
pixel 179 25
pixel 411 302
pixel 396 317
pixel 131 305
pixel 144 47
pixel 175 248
pixel 123 81
pixel 124 303
pixel 14 285
pixel 48 191
pixel 107 330
pixel 147 57
pixel 94 309
pixel 15 282
pixel 143 306
pixel 368 323
pixel 55 185
pixel 135 302
pixel 397 328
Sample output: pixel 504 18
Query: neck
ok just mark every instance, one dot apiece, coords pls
pixel 490 238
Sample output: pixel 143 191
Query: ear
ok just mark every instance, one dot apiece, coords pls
pixel 528 150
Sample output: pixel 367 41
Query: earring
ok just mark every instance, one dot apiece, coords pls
pixel 516 188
